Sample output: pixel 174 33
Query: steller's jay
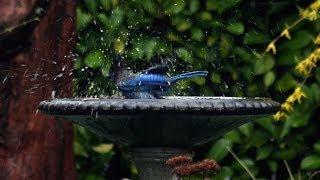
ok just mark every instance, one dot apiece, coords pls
pixel 152 83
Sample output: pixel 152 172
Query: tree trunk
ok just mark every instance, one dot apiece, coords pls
pixel 36 40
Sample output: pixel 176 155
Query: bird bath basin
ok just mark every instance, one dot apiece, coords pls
pixel 157 129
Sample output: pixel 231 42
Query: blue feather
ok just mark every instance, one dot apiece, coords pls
pixel 147 85
pixel 188 75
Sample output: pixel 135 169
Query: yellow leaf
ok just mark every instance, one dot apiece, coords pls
pixel 287 106
pixel 272 48
pixel 291 99
pixel 298 93
pixel 119 46
pixel 279 116
pixel 286 34
pixel 103 148
pixel 312 15
pixel 301 68
pixel 315 5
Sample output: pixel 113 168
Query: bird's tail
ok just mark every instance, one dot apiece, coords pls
pixel 188 75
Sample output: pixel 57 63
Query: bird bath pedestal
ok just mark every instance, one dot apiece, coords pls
pixel 157 129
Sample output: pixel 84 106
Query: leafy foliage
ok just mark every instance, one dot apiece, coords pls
pixel 225 37
pixel 90 151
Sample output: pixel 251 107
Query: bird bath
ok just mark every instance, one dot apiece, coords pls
pixel 157 129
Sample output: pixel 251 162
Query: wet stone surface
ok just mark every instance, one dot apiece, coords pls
pixel 203 105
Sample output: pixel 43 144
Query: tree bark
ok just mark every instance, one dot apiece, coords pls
pixel 36 40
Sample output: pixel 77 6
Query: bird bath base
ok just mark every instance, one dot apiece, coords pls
pixel 150 162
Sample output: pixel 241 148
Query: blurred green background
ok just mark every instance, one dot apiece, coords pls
pixel 226 38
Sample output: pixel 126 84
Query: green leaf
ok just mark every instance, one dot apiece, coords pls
pixel 194 5
pixel 286 154
pixel 233 136
pixel 218 151
pixel 150 6
pixel 267 123
pixel 272 165
pixel 200 81
pixel 206 16
pixel 226 45
pixel 246 161
pixel 288 57
pixel 162 48
pixel 149 48
pixel 83 19
pixel 236 28
pixel 91 5
pixel 103 19
pixel 316 147
pixel 259 138
pixel 106 4
pixel 216 23
pixel 202 53
pixel 77 63
pixel 285 129
pixel 94 59
pixel 263 152
pixel 263 65
pixel 79 149
pixel 137 51
pixel 105 69
pixel 311 162
pixel 254 37
pixel 184 25
pixel 269 78
pixel 253 90
pixel 313 93
pixel 244 54
pixel 196 34
pixel 215 78
pixel 184 54
pixel 286 82
pixel 211 40
pixel 177 19
pixel 116 18
pixel 81 48
pixel 246 129
pixel 299 40
pixel 134 20
pixel 174 6
pixel 221 5
pixel 299 119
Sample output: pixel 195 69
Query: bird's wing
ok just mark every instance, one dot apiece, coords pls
pixel 159 69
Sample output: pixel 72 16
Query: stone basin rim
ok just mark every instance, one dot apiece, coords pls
pixel 171 104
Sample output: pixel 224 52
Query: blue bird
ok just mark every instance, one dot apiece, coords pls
pixel 152 83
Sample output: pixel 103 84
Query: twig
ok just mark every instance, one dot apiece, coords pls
pixel 276 39
pixel 288 169
pixel 241 163
pixel 314 174
pixel 10 29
